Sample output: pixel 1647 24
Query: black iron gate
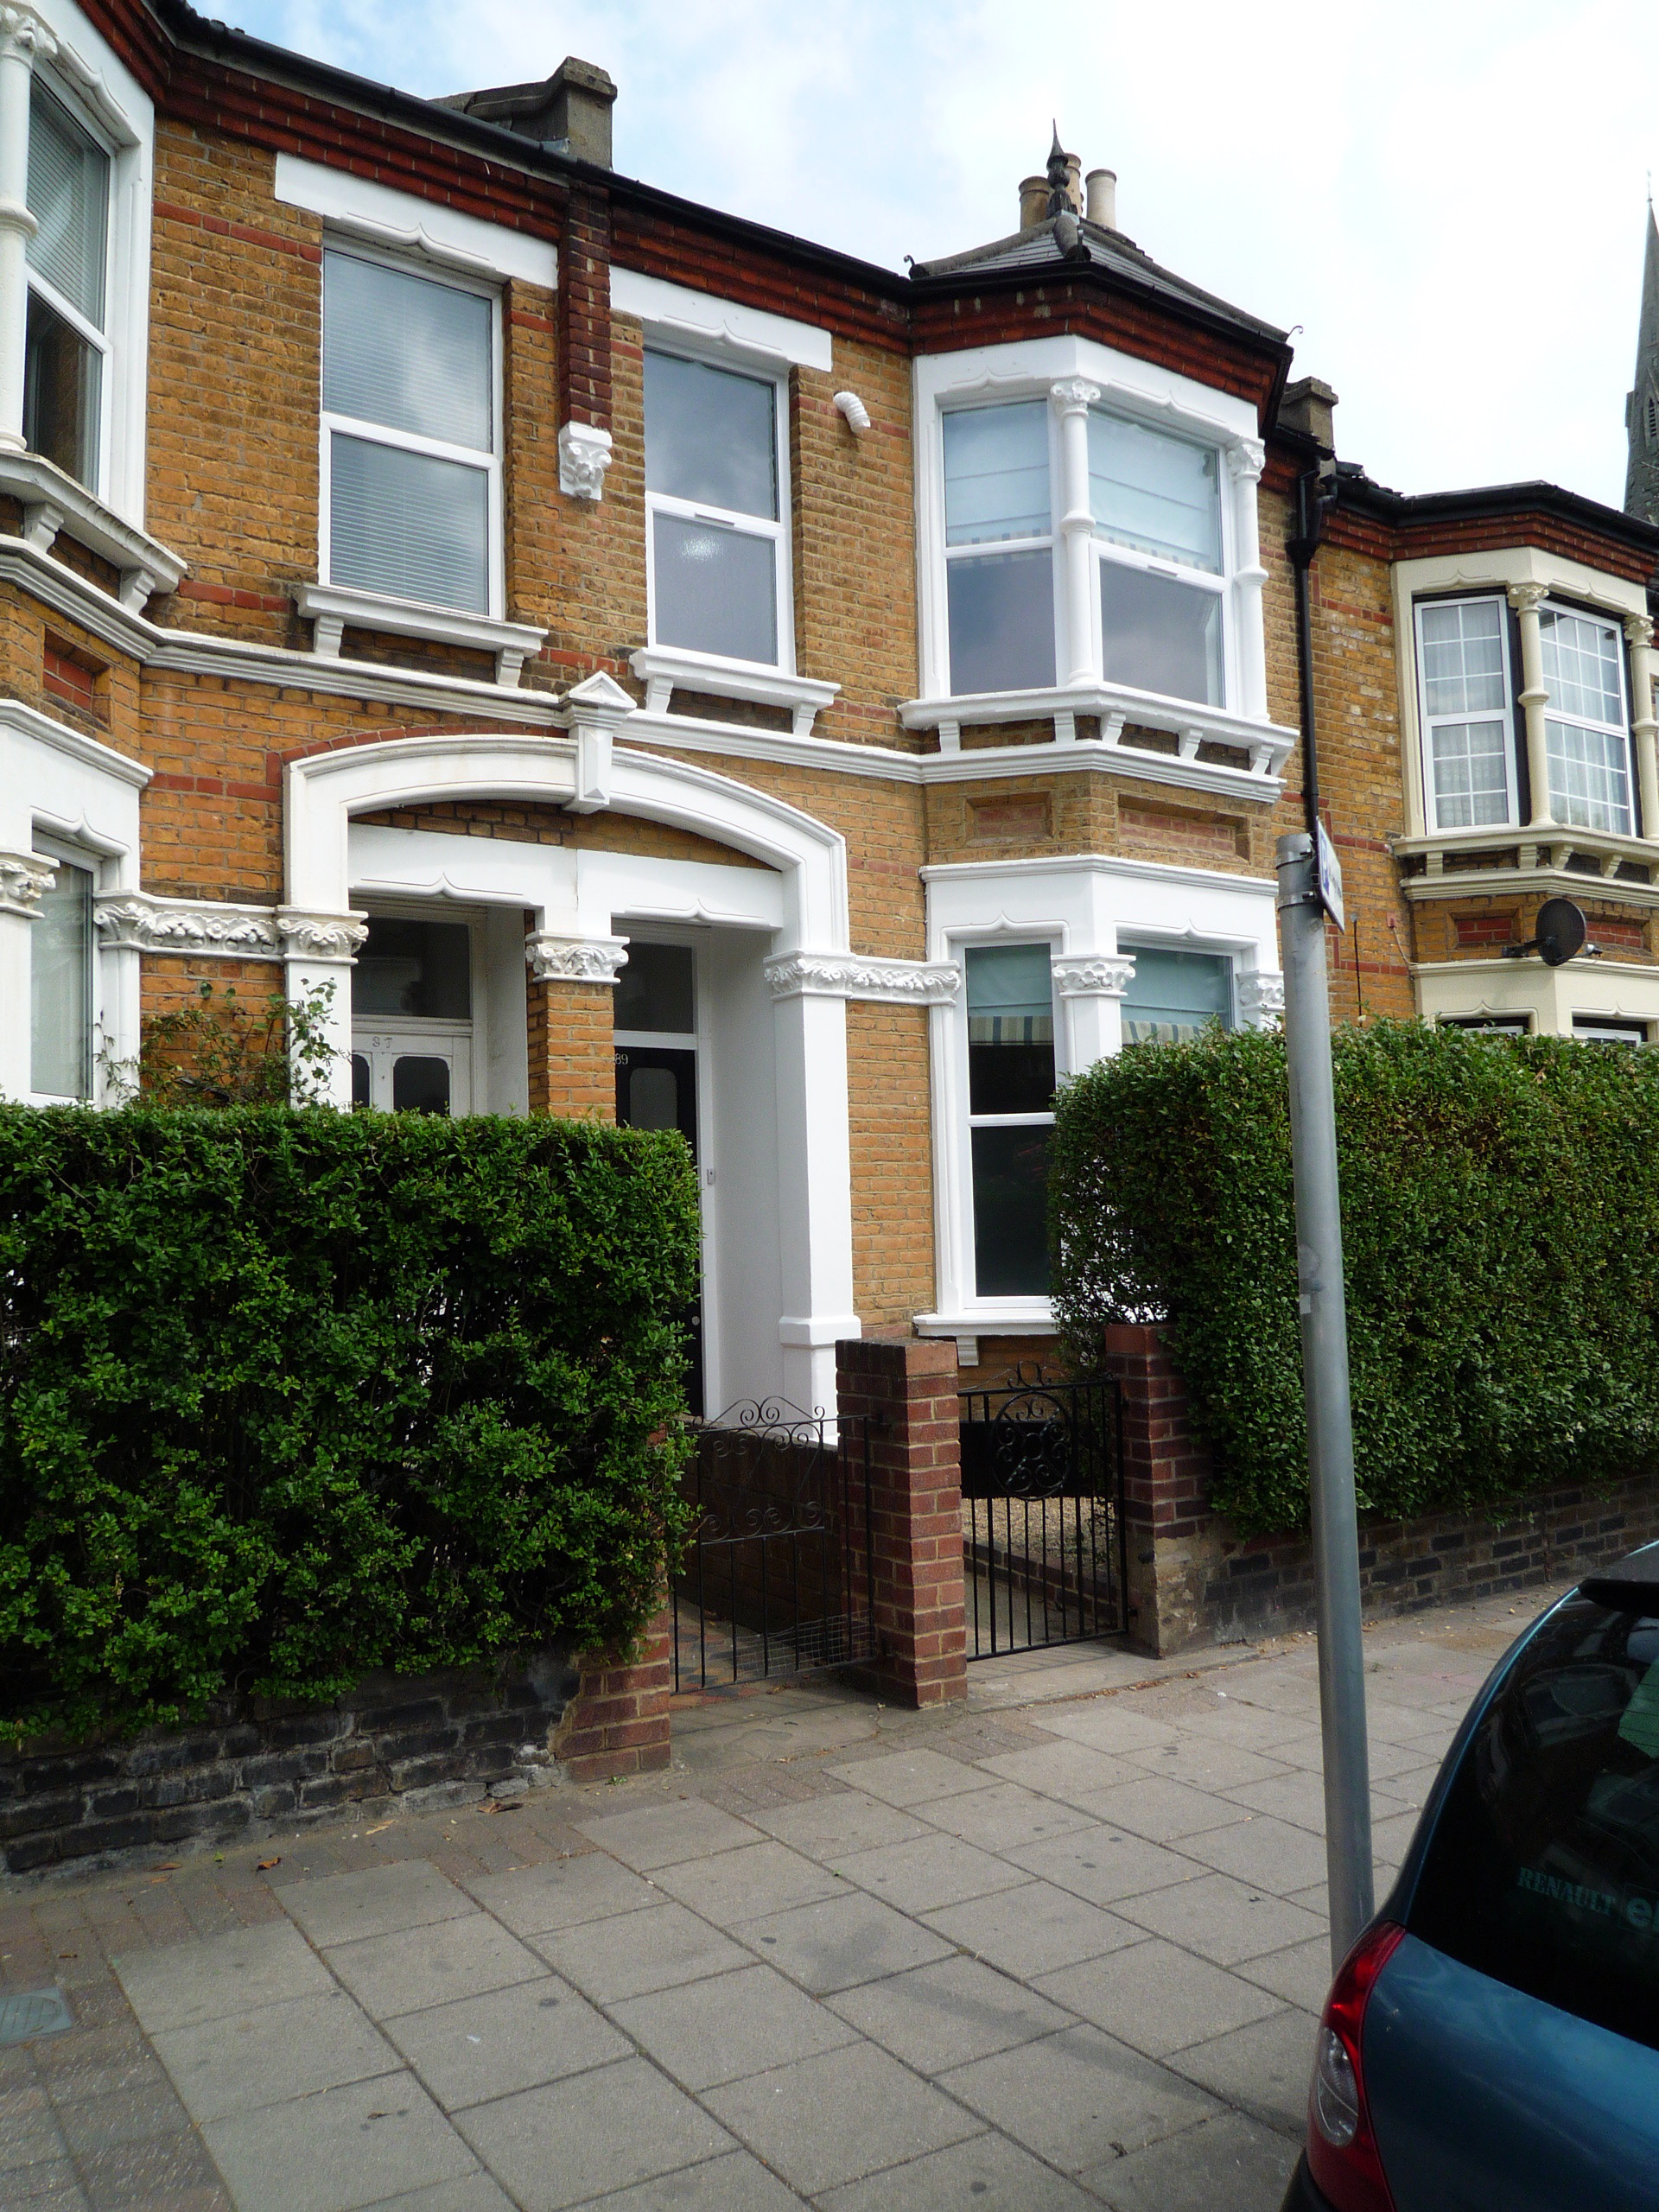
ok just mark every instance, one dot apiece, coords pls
pixel 776 1577
pixel 1042 1514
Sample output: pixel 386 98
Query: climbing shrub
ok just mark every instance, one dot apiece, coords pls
pixel 1500 1249
pixel 285 1395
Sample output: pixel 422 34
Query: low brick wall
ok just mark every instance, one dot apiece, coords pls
pixel 412 1743
pixel 1194 1581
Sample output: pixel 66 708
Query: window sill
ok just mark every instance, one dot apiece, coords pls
pixel 1451 862
pixel 333 607
pixel 663 671
pixel 1118 707
pixel 992 1317
pixel 53 501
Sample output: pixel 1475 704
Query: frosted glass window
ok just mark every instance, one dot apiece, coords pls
pixel 1001 619
pixel 996 473
pixel 61 959
pixel 1010 1102
pixel 1174 996
pixel 1469 736
pixel 1160 634
pixel 403 351
pixel 409 525
pixel 69 198
pixel 716 589
pixel 1161 495
pixel 1586 738
pixel 711 436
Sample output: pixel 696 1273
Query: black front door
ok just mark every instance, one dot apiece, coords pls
pixel 657 1088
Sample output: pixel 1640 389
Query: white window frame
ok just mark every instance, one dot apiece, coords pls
pixel 64 854
pixel 734 363
pixel 1620 730
pixel 962 943
pixel 98 338
pixel 487 464
pixel 990 548
pixel 1426 724
pixel 1105 550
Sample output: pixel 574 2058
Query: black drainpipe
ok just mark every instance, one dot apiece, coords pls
pixel 1310 506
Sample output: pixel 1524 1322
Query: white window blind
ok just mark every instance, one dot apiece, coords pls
pixel 1158 494
pixel 1156 502
pixel 1586 736
pixel 1465 684
pixel 714 498
pixel 1000 603
pixel 410 435
pixel 69 198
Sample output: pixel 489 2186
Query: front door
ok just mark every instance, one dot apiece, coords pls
pixel 657 1088
pixel 412 1071
pixel 412 1017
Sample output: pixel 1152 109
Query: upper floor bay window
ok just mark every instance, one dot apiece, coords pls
pixel 1156 502
pixel 412 473
pixel 66 346
pixel 1585 723
pixel 1463 646
pixel 718 544
pixel 999 548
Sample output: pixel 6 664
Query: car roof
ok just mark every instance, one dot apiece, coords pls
pixel 1635 1575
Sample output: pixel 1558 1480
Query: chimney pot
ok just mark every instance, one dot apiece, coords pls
pixel 1074 183
pixel 1033 201
pixel 1103 198
pixel 1309 405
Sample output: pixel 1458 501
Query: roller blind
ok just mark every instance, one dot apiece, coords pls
pixel 996 473
pixel 403 351
pixel 69 197
pixel 409 525
pixel 1156 493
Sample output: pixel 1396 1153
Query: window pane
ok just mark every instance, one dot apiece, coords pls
pixel 1010 1029
pixel 1011 1212
pixel 1161 635
pixel 361 1080
pixel 996 473
pixel 1592 1029
pixel 710 436
pixel 655 989
pixel 69 197
pixel 1002 622
pixel 62 378
pixel 1173 996
pixel 419 968
pixel 714 589
pixel 404 524
pixel 1581 666
pixel 420 1085
pixel 1544 1864
pixel 1463 657
pixel 1589 776
pixel 401 350
pixel 1471 778
pixel 1158 493
pixel 61 958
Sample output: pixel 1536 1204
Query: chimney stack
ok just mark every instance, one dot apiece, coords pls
pixel 1309 405
pixel 1103 198
pixel 571 111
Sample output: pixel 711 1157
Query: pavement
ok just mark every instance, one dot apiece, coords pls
pixel 1064 1949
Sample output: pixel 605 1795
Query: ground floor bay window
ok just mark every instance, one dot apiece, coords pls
pixel 1011 1114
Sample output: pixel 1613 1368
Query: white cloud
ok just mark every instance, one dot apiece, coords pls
pixel 1447 195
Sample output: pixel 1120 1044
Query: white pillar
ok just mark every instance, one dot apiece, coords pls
pixel 1526 599
pixel 317 953
pixel 23 878
pixel 1089 987
pixel 1073 400
pixel 815 1200
pixel 1245 459
pixel 1638 630
pixel 24 37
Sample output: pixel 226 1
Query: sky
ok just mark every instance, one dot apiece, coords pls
pixel 1446 200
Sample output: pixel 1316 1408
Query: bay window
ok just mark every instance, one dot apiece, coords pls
pixel 1156 503
pixel 411 480
pixel 1463 647
pixel 65 348
pixel 999 548
pixel 714 500
pixel 61 985
pixel 1586 730
pixel 1011 1114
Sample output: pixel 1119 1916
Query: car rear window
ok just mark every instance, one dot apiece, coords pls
pixel 1543 1868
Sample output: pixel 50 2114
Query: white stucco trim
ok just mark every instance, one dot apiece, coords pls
pixel 678 311
pixel 407 222
pixel 1614 990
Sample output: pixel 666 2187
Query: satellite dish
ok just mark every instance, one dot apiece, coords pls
pixel 1560 932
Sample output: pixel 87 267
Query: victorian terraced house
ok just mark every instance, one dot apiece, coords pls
pixel 651 665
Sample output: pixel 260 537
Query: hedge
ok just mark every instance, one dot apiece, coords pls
pixel 1501 1245
pixel 292 1395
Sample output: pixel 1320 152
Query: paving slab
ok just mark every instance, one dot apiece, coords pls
pixel 1078 2097
pixel 377 1901
pixel 944 2015
pixel 279 2052
pixel 432 1965
pixel 910 1777
pixel 1229 2162
pixel 1223 1919
pixel 1063 1770
pixel 1300 1973
pixel 1003 1816
pixel 1162 1810
pixel 472 2193
pixel 1157 1997
pixel 1103 1865
pixel 935 1870
pixel 1033 1929
pixel 985 2174
pixel 1109 1725
pixel 639 1951
pixel 179 1985
pixel 339 2149
pixel 1203 1763
pixel 510 2039
pixel 710 2032
pixel 1268 1854
pixel 736 2182
pixel 1263 2067
pixel 844 1821
pixel 596 2133
pixel 747 1883
pixel 834 2119
pixel 563 1893
pixel 661 1835
pixel 841 1942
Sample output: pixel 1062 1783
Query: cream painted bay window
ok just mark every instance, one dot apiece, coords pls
pixel 715 518
pixel 1469 771
pixel 65 348
pixel 1156 503
pixel 411 477
pixel 999 547
pixel 1585 724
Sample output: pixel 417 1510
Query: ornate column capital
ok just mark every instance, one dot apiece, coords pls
pixel 1528 598
pixel 24 879
pixel 133 921
pixel 322 940
pixel 1260 998
pixel 584 457
pixel 1074 394
pixel 1092 974
pixel 1638 630
pixel 24 37
pixel 554 958
pixel 1246 459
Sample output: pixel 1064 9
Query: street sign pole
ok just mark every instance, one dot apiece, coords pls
pixel 1310 886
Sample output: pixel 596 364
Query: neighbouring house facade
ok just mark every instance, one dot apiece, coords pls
pixel 635 662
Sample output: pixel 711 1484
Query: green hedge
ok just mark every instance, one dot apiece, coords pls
pixel 289 1394
pixel 1501 1242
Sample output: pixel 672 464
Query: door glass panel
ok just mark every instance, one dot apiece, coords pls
pixel 653 1099
pixel 419 967
pixel 656 990
pixel 361 1095
pixel 420 1085
pixel 1011 1212
pixel 1172 996
pixel 60 956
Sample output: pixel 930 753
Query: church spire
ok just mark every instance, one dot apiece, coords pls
pixel 1642 408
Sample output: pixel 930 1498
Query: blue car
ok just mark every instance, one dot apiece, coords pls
pixel 1491 2041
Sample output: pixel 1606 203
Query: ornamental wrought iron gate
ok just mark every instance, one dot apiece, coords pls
pixel 776 1577
pixel 1043 1544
